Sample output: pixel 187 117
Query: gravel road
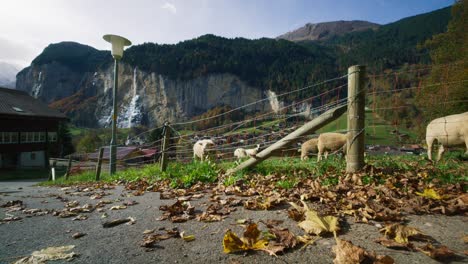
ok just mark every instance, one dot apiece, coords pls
pixel 120 244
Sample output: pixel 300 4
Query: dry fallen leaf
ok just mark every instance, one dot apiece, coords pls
pixel 347 253
pixel 284 237
pixel 78 235
pixel 315 224
pixel 116 222
pixel 400 233
pixel 50 253
pixel 118 207
pixel 438 253
pixel 393 244
pixel 250 240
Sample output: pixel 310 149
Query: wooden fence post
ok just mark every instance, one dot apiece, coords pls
pixel 99 163
pixel 293 137
pixel 167 134
pixel 67 174
pixel 356 117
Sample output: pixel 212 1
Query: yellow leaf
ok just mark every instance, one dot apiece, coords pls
pixel 400 233
pixel 250 241
pixel 188 238
pixel 231 243
pixel 315 224
pixel 430 193
pixel 50 253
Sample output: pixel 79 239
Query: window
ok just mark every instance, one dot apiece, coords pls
pixel 52 136
pixel 13 137
pixel 41 136
pixel 33 156
pixel 24 137
pixel 8 137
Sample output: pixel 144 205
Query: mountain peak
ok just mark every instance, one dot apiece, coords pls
pixel 326 30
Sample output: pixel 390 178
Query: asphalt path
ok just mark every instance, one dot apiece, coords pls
pixel 120 244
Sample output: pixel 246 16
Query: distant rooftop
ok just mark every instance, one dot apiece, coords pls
pixel 21 104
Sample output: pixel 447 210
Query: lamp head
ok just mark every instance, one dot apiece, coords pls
pixel 118 44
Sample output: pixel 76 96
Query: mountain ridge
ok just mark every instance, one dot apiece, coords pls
pixel 327 30
pixel 180 72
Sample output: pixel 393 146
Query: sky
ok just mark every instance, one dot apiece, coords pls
pixel 28 26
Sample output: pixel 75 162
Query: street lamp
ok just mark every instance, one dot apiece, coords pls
pixel 118 44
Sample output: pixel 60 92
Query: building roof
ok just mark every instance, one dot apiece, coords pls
pixel 19 103
pixel 122 153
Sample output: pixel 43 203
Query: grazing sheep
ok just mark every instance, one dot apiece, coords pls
pixel 448 131
pixel 242 153
pixel 330 142
pixel 310 146
pixel 200 147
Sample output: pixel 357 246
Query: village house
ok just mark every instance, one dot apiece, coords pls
pixel 28 129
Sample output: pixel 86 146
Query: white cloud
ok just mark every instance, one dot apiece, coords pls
pixel 169 7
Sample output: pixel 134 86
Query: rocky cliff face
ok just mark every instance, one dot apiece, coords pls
pixel 326 30
pixel 144 98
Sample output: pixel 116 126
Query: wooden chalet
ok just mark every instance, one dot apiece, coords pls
pixel 28 128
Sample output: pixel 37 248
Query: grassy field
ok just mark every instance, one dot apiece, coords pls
pixel 378 130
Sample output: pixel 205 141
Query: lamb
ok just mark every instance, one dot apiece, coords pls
pixel 330 142
pixel 310 146
pixel 448 131
pixel 200 147
pixel 242 153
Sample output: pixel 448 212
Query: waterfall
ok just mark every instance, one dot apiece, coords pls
pixel 36 90
pixel 132 114
pixel 274 102
pixel 134 82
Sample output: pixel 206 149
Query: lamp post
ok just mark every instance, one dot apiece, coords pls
pixel 118 44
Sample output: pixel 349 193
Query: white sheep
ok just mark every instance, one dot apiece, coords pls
pixel 242 152
pixel 330 142
pixel 199 148
pixel 310 146
pixel 448 131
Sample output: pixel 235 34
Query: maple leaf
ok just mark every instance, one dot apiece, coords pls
pixel 347 253
pixel 315 224
pixel 249 241
pixel 400 233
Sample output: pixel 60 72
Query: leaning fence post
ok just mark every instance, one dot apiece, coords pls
pixel 166 133
pixel 291 138
pixel 67 174
pixel 99 163
pixel 356 118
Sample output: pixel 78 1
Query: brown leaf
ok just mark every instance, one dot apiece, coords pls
pixel 296 215
pixel 12 203
pixel 438 253
pixel 347 253
pixel 394 245
pixel 116 222
pixel 78 235
pixel 284 237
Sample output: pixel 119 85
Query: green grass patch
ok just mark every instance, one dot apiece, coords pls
pixel 452 169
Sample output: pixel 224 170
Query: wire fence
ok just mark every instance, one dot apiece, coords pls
pixel 387 96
